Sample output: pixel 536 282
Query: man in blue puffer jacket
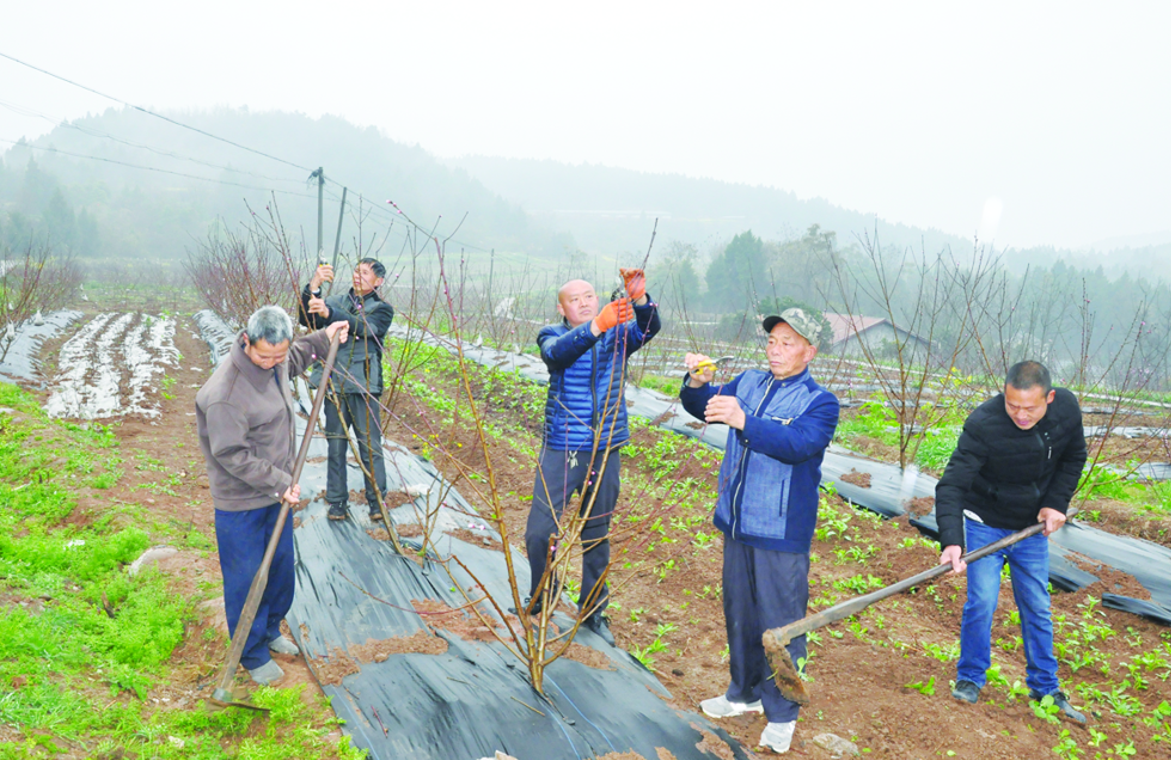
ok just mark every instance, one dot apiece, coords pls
pixel 780 425
pixel 585 425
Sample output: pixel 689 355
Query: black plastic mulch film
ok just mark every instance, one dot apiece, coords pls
pixel 1149 563
pixel 475 698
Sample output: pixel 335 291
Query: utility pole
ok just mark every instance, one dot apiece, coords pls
pixel 320 191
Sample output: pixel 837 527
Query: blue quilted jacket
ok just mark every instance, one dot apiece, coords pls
pixel 772 468
pixel 585 405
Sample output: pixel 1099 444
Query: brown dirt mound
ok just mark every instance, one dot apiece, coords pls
pixel 331 671
pixel 855 478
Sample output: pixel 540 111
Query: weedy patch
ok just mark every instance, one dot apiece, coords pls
pixel 83 644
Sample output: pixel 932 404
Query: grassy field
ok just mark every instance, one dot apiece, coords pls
pixel 86 648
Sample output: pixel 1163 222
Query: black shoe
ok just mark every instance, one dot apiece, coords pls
pixel 600 625
pixel 966 691
pixel 339 511
pixel 534 610
pixel 1062 703
pixel 375 513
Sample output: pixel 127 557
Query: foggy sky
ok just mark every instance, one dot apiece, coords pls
pixel 1032 123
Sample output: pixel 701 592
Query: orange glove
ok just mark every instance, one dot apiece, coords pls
pixel 614 313
pixel 635 282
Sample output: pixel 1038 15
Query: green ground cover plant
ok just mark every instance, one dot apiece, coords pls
pixel 82 642
pixel 850 557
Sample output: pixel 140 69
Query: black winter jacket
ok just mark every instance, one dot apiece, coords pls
pixel 1006 475
pixel 359 359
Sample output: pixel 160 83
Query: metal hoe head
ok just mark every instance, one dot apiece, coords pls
pixel 224 698
pixel 784 672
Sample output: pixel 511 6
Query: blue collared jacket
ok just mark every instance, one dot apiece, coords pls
pixel 585 406
pixel 772 468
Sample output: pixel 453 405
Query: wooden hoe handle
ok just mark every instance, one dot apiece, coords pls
pixel 853 606
pixel 223 692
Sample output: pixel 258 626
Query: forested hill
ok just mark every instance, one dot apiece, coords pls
pixel 126 184
pixel 605 207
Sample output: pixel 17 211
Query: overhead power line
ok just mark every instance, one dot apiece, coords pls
pixel 152 113
pixel 152 168
pixel 397 214
pixel 25 111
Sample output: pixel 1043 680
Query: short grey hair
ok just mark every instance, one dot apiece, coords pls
pixel 271 324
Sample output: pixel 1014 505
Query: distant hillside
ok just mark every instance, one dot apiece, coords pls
pixel 99 206
pixel 611 209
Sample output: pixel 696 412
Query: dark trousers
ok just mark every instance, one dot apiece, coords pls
pixel 360 413
pixel 242 538
pixel 560 475
pixel 762 589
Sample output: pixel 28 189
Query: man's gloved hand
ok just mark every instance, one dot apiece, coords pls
pixel 613 314
pixel 635 280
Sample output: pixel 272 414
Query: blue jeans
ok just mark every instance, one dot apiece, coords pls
pixel 1028 562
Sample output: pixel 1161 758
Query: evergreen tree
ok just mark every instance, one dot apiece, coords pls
pixel 735 275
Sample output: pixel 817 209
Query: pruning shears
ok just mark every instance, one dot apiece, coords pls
pixel 620 291
pixel 714 364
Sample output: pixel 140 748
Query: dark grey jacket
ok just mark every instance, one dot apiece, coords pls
pixel 1007 475
pixel 359 360
pixel 244 416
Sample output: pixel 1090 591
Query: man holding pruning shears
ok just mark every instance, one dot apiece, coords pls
pixel 780 423
pixel 585 426
pixel 357 384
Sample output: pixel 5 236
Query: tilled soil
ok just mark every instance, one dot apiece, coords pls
pixel 871 678
pixel 163 471
pixel 883 681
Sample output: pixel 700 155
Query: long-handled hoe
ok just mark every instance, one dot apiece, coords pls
pixel 224 696
pixel 785 673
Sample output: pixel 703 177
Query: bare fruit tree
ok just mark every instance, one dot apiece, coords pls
pixel 925 300
pixel 32 281
pixel 238 271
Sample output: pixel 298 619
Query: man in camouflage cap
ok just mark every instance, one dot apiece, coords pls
pixel 780 423
pixel 802 322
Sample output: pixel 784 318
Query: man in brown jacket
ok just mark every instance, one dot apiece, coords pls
pixel 244 415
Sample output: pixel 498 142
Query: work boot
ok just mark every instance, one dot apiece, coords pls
pixel 600 625
pixel 966 691
pixel 722 707
pixel 267 673
pixel 1062 703
pixel 281 645
pixel 339 511
pixel 375 513
pixel 778 736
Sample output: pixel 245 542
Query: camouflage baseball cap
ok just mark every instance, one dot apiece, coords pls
pixel 800 320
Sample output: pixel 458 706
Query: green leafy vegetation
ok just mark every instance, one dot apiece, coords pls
pixel 83 644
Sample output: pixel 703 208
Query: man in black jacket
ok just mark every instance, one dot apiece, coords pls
pixel 1017 462
pixel 356 384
